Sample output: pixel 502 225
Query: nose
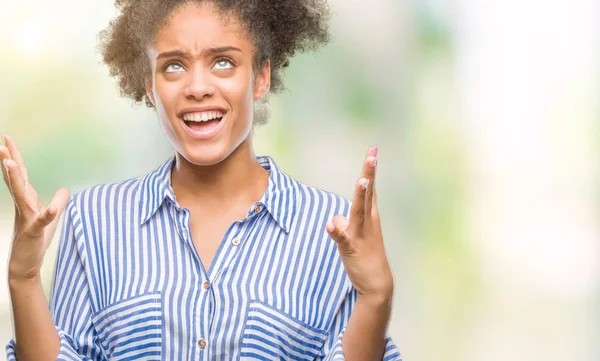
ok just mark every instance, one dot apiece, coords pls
pixel 199 85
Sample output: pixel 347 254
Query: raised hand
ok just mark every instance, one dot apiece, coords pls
pixel 360 240
pixel 35 224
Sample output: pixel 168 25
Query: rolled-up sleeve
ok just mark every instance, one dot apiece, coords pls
pixel 70 301
pixel 332 349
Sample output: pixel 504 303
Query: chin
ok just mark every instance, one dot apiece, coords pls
pixel 209 152
pixel 205 155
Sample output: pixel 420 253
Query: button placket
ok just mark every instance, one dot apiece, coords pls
pixel 177 219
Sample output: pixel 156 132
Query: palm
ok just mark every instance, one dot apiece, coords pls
pixel 359 238
pixel 35 224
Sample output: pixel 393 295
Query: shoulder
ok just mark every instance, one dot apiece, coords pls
pixel 93 209
pixel 316 202
pixel 102 196
pixel 304 199
pixel 122 195
pixel 311 197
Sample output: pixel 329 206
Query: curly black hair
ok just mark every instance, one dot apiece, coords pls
pixel 278 28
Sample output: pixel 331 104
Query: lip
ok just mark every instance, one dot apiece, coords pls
pixel 204 135
pixel 206 108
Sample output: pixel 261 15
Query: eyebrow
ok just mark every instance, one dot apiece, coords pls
pixel 222 49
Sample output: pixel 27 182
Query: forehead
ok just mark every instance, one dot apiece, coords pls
pixel 194 27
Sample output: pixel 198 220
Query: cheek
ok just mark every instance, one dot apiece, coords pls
pixel 166 100
pixel 168 92
pixel 239 93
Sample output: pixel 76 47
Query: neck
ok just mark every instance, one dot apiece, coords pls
pixel 237 180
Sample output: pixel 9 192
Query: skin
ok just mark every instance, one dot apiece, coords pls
pixel 220 174
pixel 35 225
pixel 220 178
pixel 361 248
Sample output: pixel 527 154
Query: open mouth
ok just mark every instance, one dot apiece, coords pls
pixel 203 126
pixel 203 121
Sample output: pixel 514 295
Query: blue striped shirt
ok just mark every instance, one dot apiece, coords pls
pixel 129 283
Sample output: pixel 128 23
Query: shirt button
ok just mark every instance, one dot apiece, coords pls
pixel 206 285
pixel 235 241
pixel 257 209
pixel 201 343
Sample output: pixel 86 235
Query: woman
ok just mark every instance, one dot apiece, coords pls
pixel 216 254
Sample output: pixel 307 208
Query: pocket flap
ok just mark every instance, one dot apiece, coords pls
pixel 271 334
pixel 131 328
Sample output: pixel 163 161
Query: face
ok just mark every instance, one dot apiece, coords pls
pixel 203 84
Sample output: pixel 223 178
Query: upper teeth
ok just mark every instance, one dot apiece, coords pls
pixel 202 116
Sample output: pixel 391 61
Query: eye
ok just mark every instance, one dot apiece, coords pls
pixel 223 64
pixel 173 68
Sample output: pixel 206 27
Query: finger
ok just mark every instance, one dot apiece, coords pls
pixel 375 213
pixel 43 219
pixel 17 187
pixel 375 209
pixel 369 169
pixel 15 154
pixel 4 154
pixel 357 210
pixel 337 230
pixel 60 199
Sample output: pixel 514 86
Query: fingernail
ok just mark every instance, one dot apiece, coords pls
pixel 51 210
pixel 365 184
pixel 375 150
pixel 373 162
pixel 331 227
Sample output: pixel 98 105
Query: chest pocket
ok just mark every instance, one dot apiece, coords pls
pixel 270 334
pixel 131 329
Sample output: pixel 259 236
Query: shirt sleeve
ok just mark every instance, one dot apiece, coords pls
pixel 70 302
pixel 332 349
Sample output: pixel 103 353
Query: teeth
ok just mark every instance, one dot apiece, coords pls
pixel 202 117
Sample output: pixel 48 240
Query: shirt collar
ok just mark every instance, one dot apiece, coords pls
pixel 279 198
pixel 154 188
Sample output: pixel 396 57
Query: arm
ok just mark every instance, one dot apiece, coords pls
pixel 365 335
pixel 36 336
pixel 34 328
pixel 353 334
pixel 361 248
pixel 70 313
pixel 34 228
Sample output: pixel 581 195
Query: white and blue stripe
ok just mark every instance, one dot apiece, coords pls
pixel 128 282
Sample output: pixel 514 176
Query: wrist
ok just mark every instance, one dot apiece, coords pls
pixel 381 300
pixel 19 280
pixel 380 293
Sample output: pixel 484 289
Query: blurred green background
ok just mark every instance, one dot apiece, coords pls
pixel 486 114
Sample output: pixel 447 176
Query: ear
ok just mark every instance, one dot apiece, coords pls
pixel 262 82
pixel 149 91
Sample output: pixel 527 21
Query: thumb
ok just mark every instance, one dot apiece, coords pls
pixel 337 230
pixel 60 199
